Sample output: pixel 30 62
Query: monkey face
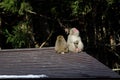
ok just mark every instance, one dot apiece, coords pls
pixel 60 37
pixel 74 31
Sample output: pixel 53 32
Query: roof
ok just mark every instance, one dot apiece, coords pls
pixel 45 61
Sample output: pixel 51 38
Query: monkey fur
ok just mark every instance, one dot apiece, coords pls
pixel 61 45
pixel 74 41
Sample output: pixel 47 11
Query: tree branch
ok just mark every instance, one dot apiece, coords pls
pixel 46 39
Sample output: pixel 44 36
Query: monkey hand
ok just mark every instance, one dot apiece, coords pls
pixel 62 53
pixel 77 50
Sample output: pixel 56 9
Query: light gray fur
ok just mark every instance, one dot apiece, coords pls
pixel 74 41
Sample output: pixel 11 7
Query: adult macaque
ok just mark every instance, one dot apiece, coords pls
pixel 74 41
pixel 61 45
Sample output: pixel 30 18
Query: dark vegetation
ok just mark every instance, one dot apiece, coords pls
pixel 36 23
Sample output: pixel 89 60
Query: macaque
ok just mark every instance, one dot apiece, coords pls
pixel 74 41
pixel 61 45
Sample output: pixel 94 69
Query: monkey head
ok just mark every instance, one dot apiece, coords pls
pixel 74 31
pixel 60 37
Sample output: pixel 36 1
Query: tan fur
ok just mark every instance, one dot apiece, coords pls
pixel 61 45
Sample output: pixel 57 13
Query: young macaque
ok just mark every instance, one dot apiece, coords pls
pixel 74 41
pixel 61 45
pixel 76 44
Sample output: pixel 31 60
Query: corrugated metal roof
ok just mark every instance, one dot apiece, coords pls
pixel 45 61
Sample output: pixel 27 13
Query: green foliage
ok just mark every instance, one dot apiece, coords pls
pixel 14 6
pixel 19 37
pixel 110 2
pixel 9 5
pixel 79 7
pixel 24 7
pixel 87 9
pixel 53 11
pixel 75 8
